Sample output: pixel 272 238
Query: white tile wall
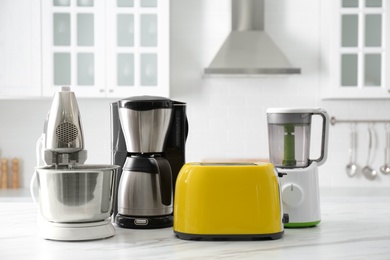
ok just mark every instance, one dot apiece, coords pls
pixel 226 115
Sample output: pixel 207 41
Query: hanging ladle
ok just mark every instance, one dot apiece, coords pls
pixel 368 171
pixel 352 167
pixel 385 169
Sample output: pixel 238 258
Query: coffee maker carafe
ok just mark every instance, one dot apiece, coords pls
pixel 289 131
pixel 148 142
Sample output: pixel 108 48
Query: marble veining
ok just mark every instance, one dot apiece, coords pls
pixel 355 225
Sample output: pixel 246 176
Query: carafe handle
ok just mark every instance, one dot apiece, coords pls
pixel 325 134
pixel 165 175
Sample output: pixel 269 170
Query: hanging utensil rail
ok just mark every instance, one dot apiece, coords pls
pixel 333 121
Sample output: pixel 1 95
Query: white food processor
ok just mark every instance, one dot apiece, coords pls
pixel 289 133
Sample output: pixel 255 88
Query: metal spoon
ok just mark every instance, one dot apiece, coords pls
pixel 368 171
pixel 385 169
pixel 352 167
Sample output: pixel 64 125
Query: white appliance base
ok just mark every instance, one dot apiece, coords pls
pixel 75 231
pixel 300 195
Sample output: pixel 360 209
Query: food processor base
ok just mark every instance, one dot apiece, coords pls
pixel 75 231
pixel 302 224
pixel 301 197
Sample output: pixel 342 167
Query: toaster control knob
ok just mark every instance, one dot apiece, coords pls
pixel 292 195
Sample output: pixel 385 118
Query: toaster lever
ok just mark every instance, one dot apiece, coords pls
pixel 281 174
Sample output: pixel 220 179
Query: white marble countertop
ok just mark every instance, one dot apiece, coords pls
pixel 355 225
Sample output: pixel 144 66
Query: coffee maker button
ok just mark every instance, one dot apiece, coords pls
pixel 140 222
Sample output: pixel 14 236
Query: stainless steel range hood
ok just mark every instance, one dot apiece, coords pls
pixel 248 50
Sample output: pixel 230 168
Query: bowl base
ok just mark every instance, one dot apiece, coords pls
pixel 75 231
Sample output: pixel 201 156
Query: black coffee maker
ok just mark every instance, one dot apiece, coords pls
pixel 148 142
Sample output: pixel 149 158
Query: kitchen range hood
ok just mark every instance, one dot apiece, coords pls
pixel 249 50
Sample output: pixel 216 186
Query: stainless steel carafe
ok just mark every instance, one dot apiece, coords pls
pixel 141 127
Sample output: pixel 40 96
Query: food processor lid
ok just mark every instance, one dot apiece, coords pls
pixel 294 110
pixel 289 118
pixel 289 115
pixel 143 103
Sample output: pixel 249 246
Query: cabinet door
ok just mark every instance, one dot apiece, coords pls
pixel 355 54
pixel 73 46
pixel 20 48
pixel 137 47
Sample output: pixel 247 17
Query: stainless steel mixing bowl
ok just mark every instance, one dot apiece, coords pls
pixel 83 193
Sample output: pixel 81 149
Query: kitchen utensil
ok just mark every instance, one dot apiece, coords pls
pixel 148 141
pixel 289 148
pixel 15 173
pixel 218 200
pixel 368 171
pixel 385 169
pixel 81 193
pixel 75 200
pixel 352 167
pixel 4 174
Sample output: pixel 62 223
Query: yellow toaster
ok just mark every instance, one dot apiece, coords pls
pixel 228 201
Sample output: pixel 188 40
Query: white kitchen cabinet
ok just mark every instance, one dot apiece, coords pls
pixel 20 64
pixel 73 46
pixel 137 58
pixel 355 52
pixel 106 48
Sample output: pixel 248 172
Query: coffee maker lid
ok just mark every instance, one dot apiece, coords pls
pixel 142 103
